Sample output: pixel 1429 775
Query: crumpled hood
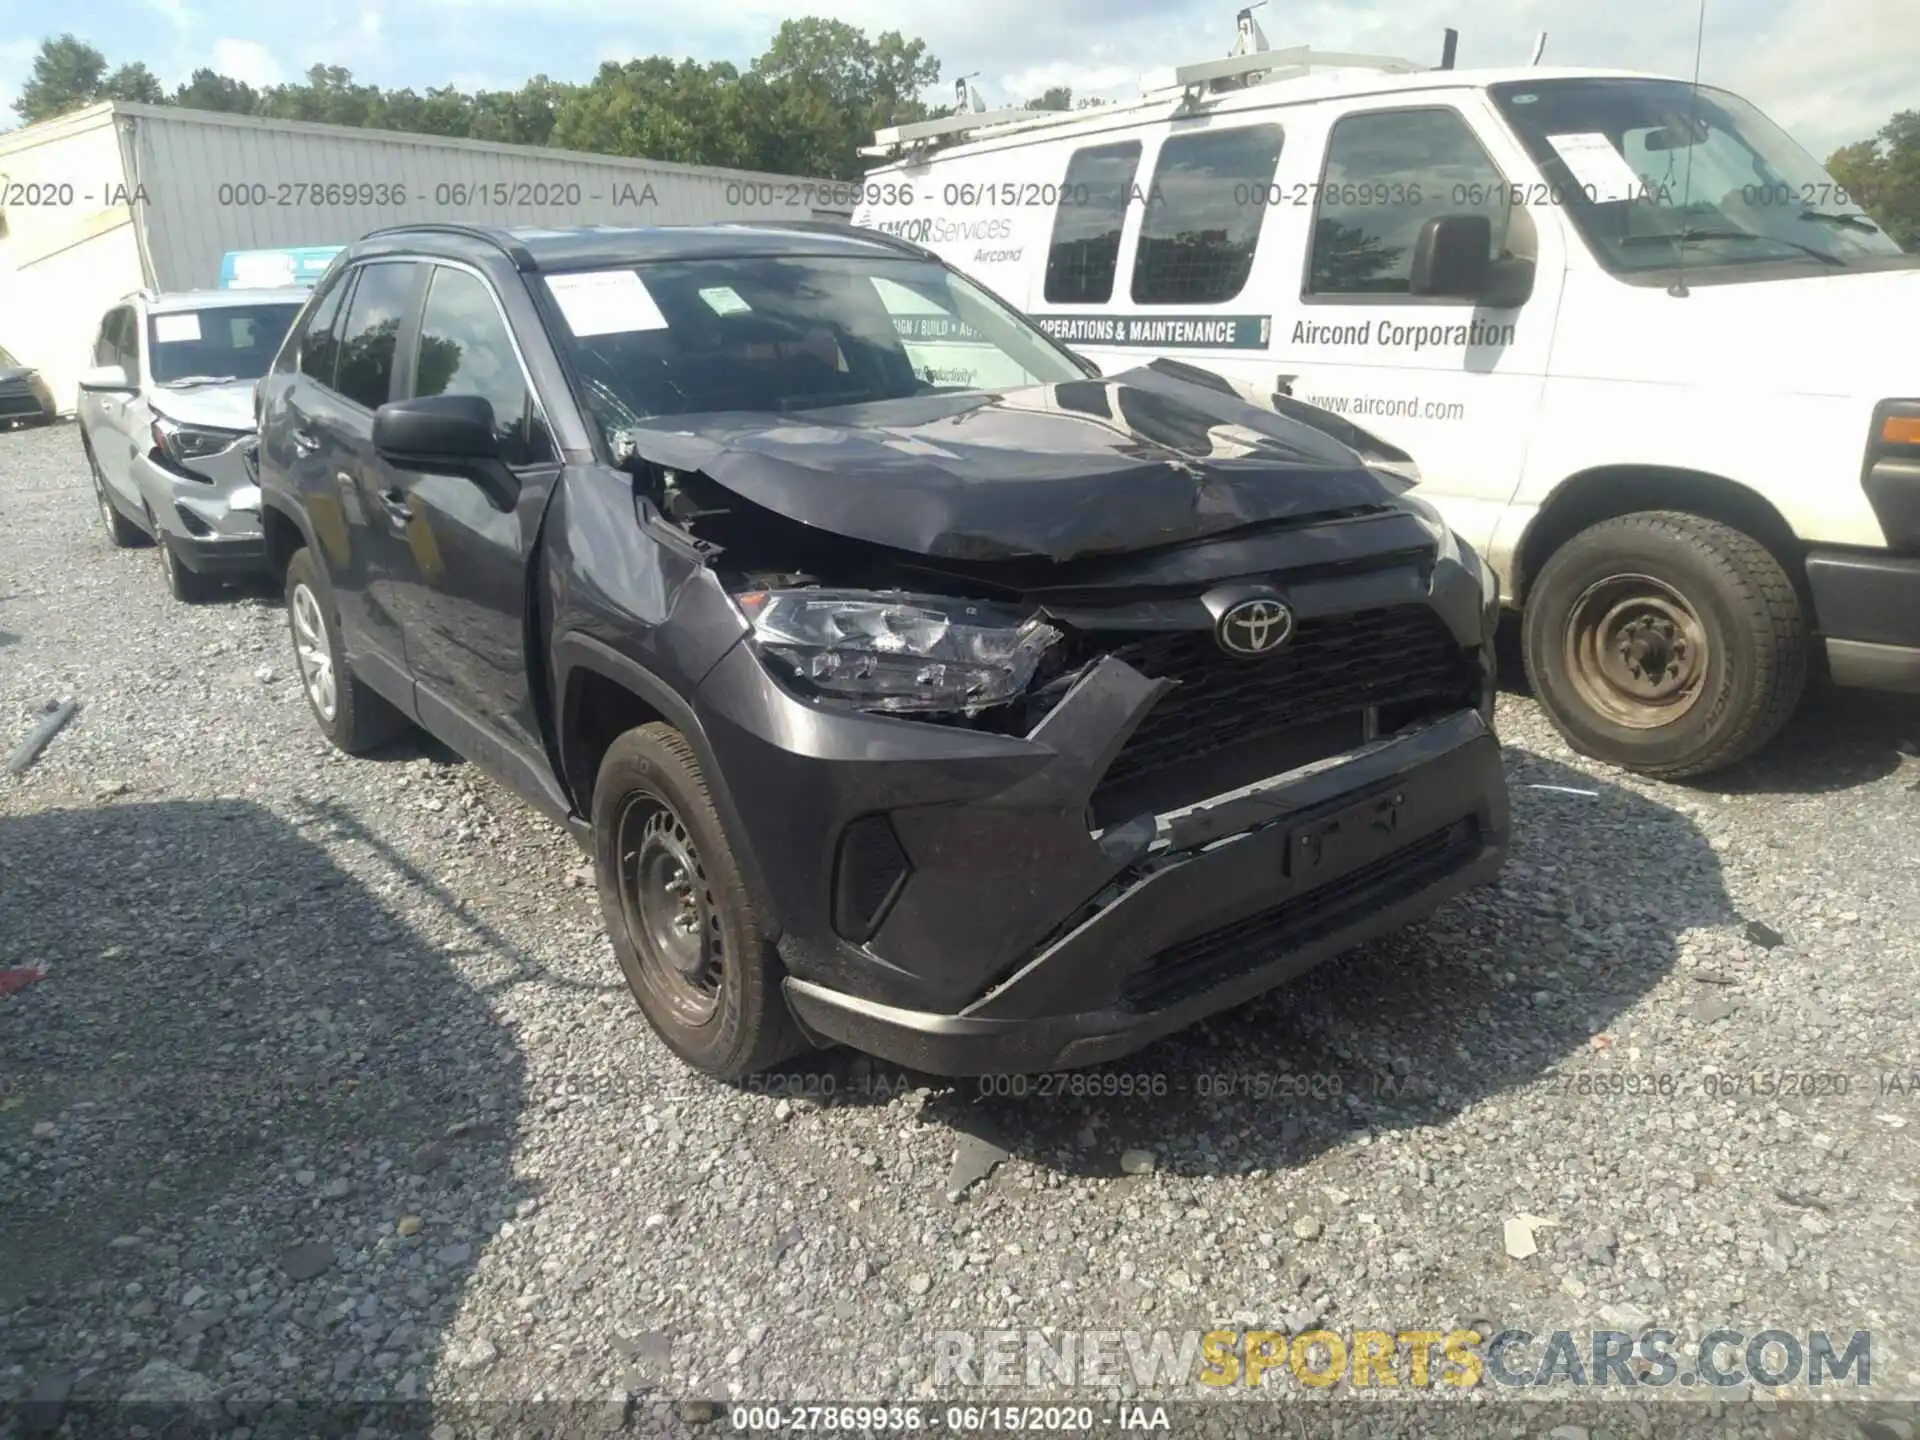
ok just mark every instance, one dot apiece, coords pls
pixel 1100 466
pixel 219 407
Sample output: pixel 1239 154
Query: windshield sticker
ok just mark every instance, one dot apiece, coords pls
pixel 1597 166
pixel 605 302
pixel 1202 332
pixel 724 300
pixel 169 328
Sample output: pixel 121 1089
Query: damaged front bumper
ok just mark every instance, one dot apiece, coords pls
pixel 944 901
pixel 211 516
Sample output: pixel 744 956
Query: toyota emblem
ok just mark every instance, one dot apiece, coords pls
pixel 1254 627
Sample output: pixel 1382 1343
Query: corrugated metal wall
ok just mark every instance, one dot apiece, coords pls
pixel 215 183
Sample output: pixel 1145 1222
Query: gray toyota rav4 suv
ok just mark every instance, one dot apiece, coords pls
pixel 987 728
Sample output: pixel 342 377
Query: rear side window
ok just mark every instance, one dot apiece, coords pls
pixel 1202 222
pixel 372 330
pixel 319 344
pixel 106 348
pixel 1086 228
pixel 465 350
pixel 1388 173
pixel 126 342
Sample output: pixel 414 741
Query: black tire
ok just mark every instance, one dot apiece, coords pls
pixel 1665 643
pixel 122 533
pixel 184 583
pixel 652 814
pixel 360 720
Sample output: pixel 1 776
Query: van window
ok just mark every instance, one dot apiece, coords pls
pixel 1202 220
pixel 1388 172
pixel 1086 227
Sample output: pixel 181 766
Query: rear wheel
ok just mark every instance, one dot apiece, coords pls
pixel 355 717
pixel 1666 643
pixel 682 922
pixel 122 533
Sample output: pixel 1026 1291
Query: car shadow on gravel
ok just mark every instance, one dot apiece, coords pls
pixel 255 1129
pixel 1491 994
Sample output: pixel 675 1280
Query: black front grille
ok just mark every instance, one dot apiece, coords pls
pixel 19 402
pixel 1211 959
pixel 1230 721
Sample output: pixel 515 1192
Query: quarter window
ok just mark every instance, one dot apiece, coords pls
pixel 1388 172
pixel 465 350
pixel 320 344
pixel 1086 226
pixel 372 330
pixel 1203 214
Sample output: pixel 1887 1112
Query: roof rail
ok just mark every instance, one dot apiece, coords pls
pixel 1251 64
pixel 502 241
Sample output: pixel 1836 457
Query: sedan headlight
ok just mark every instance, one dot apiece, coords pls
pixel 181 443
pixel 896 652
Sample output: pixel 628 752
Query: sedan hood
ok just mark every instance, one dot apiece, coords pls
pixel 1132 462
pixel 218 407
pixel 9 373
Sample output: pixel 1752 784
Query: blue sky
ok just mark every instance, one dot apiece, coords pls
pixel 1829 70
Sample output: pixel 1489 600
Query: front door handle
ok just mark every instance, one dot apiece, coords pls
pixel 394 502
pixel 305 442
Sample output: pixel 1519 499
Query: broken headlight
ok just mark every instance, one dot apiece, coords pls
pixel 181 443
pixel 896 652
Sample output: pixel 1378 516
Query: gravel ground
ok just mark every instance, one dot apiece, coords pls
pixel 331 1090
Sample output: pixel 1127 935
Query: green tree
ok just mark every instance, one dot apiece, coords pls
pixel 68 74
pixel 328 96
pixel 1055 97
pixel 209 90
pixel 683 112
pixel 519 117
pixel 832 87
pixel 134 82
pixel 1883 175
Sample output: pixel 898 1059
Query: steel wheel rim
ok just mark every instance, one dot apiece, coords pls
pixel 1637 652
pixel 310 648
pixel 667 905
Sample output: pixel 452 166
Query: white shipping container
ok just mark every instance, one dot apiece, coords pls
pixel 120 197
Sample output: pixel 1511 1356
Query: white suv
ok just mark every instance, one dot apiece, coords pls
pixel 166 420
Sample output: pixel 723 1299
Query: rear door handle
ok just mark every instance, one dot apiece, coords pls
pixel 305 442
pixel 394 502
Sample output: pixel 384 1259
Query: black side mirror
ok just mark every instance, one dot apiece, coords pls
pixel 446 435
pixel 1451 258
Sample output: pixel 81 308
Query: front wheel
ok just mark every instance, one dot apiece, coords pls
pixel 1665 643
pixel 681 920
pixel 184 583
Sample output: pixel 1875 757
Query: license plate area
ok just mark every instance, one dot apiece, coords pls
pixel 1330 845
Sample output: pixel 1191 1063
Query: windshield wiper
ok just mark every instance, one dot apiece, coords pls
pixel 185 380
pixel 1825 257
pixel 1851 219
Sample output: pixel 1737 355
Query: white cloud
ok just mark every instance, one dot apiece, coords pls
pixel 247 61
pixel 175 11
pixel 367 27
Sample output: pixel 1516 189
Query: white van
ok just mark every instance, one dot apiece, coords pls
pixel 1649 358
